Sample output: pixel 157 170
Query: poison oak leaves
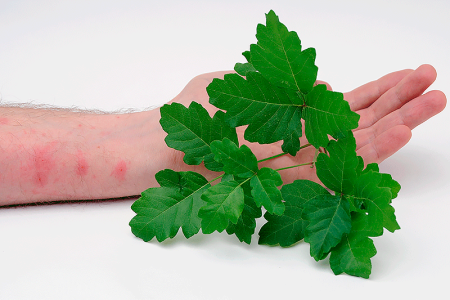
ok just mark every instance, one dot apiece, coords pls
pixel 340 222
pixel 192 131
pixel 163 210
pixel 327 113
pixel 273 93
pixel 272 113
pixel 278 55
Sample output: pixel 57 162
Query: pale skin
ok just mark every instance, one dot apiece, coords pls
pixel 52 155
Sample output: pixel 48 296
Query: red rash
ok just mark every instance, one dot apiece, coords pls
pixel 82 166
pixel 120 170
pixel 43 163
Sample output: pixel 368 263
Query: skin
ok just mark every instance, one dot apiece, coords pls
pixel 51 154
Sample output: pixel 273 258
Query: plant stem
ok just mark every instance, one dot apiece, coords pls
pixel 281 154
pixel 272 157
pixel 218 177
pixel 290 167
pixel 304 146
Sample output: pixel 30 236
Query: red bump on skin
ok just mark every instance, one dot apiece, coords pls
pixel 120 170
pixel 43 163
pixel 82 166
pixel 4 121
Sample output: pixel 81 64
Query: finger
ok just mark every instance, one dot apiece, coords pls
pixel 411 114
pixel 410 87
pixel 323 82
pixel 385 144
pixel 365 95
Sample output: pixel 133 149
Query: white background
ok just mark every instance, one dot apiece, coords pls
pixel 137 54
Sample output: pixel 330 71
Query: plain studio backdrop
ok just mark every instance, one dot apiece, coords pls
pixel 113 55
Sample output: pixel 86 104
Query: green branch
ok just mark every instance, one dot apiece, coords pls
pixel 290 167
pixel 282 154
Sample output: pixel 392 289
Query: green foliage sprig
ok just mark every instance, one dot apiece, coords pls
pixel 272 93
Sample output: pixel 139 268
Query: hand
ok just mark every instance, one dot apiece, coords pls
pixel 390 108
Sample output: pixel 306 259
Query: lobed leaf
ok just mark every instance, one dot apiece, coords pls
pixel 386 179
pixel 246 224
pixel 265 191
pixel 352 255
pixel 224 204
pixel 279 57
pixel 161 211
pixel 377 201
pixel 271 113
pixel 244 69
pixel 236 161
pixel 388 182
pixel 329 220
pixel 338 170
pixel 289 228
pixel 192 130
pixel 327 113
pixel 291 143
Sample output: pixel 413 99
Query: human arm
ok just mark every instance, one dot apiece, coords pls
pixel 61 155
pixel 52 154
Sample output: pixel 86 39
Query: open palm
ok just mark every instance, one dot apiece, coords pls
pixel 389 109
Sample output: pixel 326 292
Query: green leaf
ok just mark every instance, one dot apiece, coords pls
pixel 377 201
pixel 185 182
pixel 279 57
pixel 338 170
pixel 244 69
pixel 329 219
pixel 361 224
pixel 356 204
pixel 170 178
pixel 161 211
pixel 265 191
pixel 291 142
pixel 192 130
pixel 220 130
pixel 360 166
pixel 224 204
pixel 386 180
pixel 327 113
pixel 236 161
pixel 246 224
pixel 289 228
pixel 371 167
pixel 352 255
pixel 247 56
pixel 271 113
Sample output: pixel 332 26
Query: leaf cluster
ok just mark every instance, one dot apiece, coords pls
pixel 273 94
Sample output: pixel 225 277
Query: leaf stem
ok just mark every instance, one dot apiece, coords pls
pixel 272 157
pixel 281 154
pixel 306 145
pixel 218 177
pixel 290 167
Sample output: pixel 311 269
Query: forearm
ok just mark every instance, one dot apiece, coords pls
pixel 48 155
